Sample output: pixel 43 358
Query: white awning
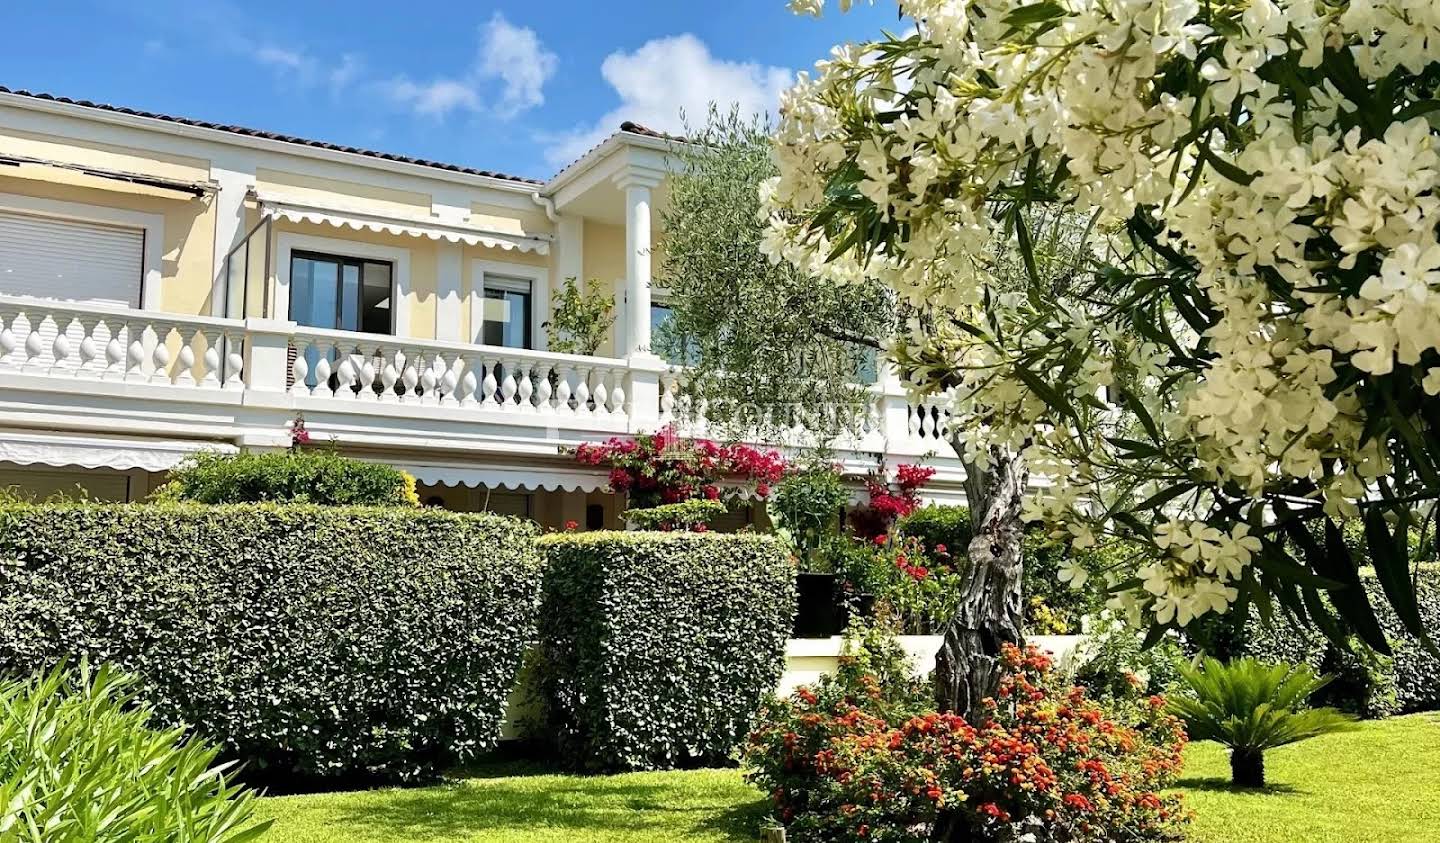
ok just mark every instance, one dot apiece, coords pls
pixel 515 478
pixel 279 207
pixel 95 451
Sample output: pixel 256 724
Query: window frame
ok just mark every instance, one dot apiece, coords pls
pixel 286 243
pixel 343 261
pixel 539 278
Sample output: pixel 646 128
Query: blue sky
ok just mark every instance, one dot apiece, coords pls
pixel 520 87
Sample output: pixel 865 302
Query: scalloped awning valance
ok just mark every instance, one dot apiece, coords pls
pixel 280 207
pixel 118 452
pixel 513 478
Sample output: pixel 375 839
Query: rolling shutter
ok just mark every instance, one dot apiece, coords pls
pixel 69 260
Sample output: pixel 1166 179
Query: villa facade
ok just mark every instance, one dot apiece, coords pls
pixel 168 285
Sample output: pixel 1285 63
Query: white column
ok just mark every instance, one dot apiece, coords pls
pixel 570 257
pixel 637 186
pixel 448 269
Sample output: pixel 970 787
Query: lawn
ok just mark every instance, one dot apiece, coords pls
pixel 1381 783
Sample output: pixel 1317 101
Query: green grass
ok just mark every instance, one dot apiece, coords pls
pixel 1379 784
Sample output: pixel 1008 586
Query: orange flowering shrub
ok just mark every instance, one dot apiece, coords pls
pixel 851 760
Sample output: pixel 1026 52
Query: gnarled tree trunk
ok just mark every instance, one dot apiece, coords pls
pixel 967 669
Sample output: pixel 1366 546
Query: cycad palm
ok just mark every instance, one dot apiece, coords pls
pixel 1250 707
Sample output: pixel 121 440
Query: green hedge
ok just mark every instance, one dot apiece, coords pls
pixel 1409 682
pixel 319 640
pixel 308 476
pixel 657 648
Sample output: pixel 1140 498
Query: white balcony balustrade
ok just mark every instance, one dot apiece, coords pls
pixel 280 367
pixel 365 367
pixel 91 341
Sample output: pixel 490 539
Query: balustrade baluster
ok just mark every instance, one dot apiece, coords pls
pixel 410 377
pixel 543 390
pixel 562 390
pixel 322 367
pixel 488 384
pixel 88 350
pixel 300 369
pixel 582 390
pixel 34 345
pixel 60 347
pixel 508 386
pixel 366 375
pixel 185 360
pixel 600 394
pixel 135 351
pixel 389 375
pixel 429 379
pixel 234 359
pixel 212 359
pixel 617 394
pixel 525 390
pixel 450 381
pixel 160 356
pixel 344 373
pixel 8 343
pixel 469 385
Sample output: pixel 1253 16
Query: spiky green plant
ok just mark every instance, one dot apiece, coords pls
pixel 79 761
pixel 1251 706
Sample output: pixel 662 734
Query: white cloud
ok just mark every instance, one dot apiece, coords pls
pixel 665 76
pixel 347 71
pixel 293 63
pixel 511 54
pixel 514 55
pixel 435 98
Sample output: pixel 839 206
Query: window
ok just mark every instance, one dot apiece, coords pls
pixel 507 309
pixel 676 349
pixel 348 294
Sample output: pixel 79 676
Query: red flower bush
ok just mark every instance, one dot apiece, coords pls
pixel 663 468
pixel 889 501
pixel 853 760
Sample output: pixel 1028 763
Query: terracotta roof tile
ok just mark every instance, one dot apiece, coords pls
pixel 275 136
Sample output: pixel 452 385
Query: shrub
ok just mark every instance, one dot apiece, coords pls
pixel 662 467
pixel 1367 683
pixel 1250 707
pixel 856 760
pixel 694 514
pixel 808 505
pixel 947 526
pixel 580 319
pixel 657 648
pixel 322 640
pixel 913 589
pixel 1115 665
pixel 81 761
pixel 296 476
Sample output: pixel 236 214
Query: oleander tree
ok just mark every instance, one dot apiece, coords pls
pixel 1250 347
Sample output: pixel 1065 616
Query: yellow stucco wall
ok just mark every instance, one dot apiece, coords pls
pixel 190 224
pixel 331 193
pixel 188 249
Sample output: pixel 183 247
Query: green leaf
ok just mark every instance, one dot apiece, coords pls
pixel 1033 14
pixel 1392 569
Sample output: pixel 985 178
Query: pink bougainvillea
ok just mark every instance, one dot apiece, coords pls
pixel 889 500
pixel 662 467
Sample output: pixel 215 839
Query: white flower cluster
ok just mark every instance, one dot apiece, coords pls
pixel 1304 203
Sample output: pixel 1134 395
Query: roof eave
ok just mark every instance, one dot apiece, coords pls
pixel 221 136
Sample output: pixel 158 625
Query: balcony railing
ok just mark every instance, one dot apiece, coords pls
pixel 269 363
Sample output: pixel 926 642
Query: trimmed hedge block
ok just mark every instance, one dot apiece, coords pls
pixel 1414 675
pixel 657 648
pixel 316 640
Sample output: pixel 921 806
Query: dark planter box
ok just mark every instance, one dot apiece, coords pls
pixel 821 611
